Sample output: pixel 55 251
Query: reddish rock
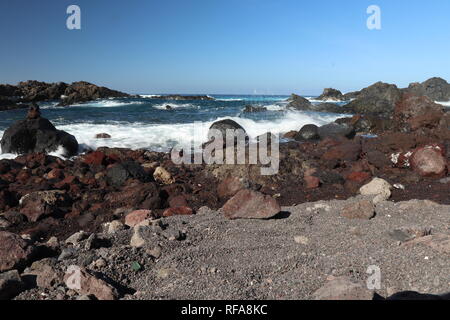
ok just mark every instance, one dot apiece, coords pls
pixel 134 218
pixel 55 174
pixel 311 182
pixel 349 151
pixel 359 177
pixel 95 158
pixel 86 283
pixel 429 161
pixel 178 201
pixel 248 204
pixel 15 252
pixel 414 112
pixel 42 203
pixel 178 211
pixel 229 187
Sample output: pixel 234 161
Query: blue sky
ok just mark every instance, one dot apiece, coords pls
pixel 225 46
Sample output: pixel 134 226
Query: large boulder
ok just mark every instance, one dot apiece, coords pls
pixel 297 102
pixel 15 252
pixel 436 89
pixel 378 99
pixel 84 91
pixel 249 204
pixel 413 112
pixel 37 135
pixel 330 94
pixel 223 126
pixel 33 91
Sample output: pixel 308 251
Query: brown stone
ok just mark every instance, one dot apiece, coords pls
pixel 363 209
pixel 134 218
pixel 248 204
pixel 429 161
pixel 14 251
pixel 178 211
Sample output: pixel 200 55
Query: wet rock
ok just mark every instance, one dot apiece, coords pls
pixel 86 283
pixel 43 203
pixel 37 135
pixel 161 175
pixel 102 136
pixel 379 188
pixel 252 109
pixel 334 130
pixel 248 204
pixel 343 288
pixel 136 217
pixel 224 125
pixel 178 211
pixel 330 94
pixel 298 103
pixel 11 285
pixel 377 99
pixel 307 133
pixel 362 209
pixel 429 161
pixel 84 91
pixel 15 252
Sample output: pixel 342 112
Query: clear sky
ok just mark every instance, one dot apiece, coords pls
pixel 225 46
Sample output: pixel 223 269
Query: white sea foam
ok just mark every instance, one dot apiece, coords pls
pixel 175 106
pixel 162 137
pixel 445 104
pixel 107 103
pixel 229 99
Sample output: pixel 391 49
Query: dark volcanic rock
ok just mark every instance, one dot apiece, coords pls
pixel 223 126
pixel 299 103
pixel 181 97
pixel 11 284
pixel 15 252
pixel 378 99
pixel 330 94
pixel 329 107
pixel 436 89
pixel 84 91
pixel 251 109
pixel 37 135
pixel 334 130
pixel 308 132
pixel 33 91
pixel 119 173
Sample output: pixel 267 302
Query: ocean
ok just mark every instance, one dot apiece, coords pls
pixel 145 122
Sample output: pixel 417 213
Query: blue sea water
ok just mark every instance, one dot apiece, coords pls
pixel 145 122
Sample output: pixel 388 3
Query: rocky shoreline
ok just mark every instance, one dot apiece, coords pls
pixel 121 215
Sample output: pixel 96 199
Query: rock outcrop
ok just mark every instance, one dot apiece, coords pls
pixel 330 94
pixel 437 89
pixel 378 99
pixel 37 134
